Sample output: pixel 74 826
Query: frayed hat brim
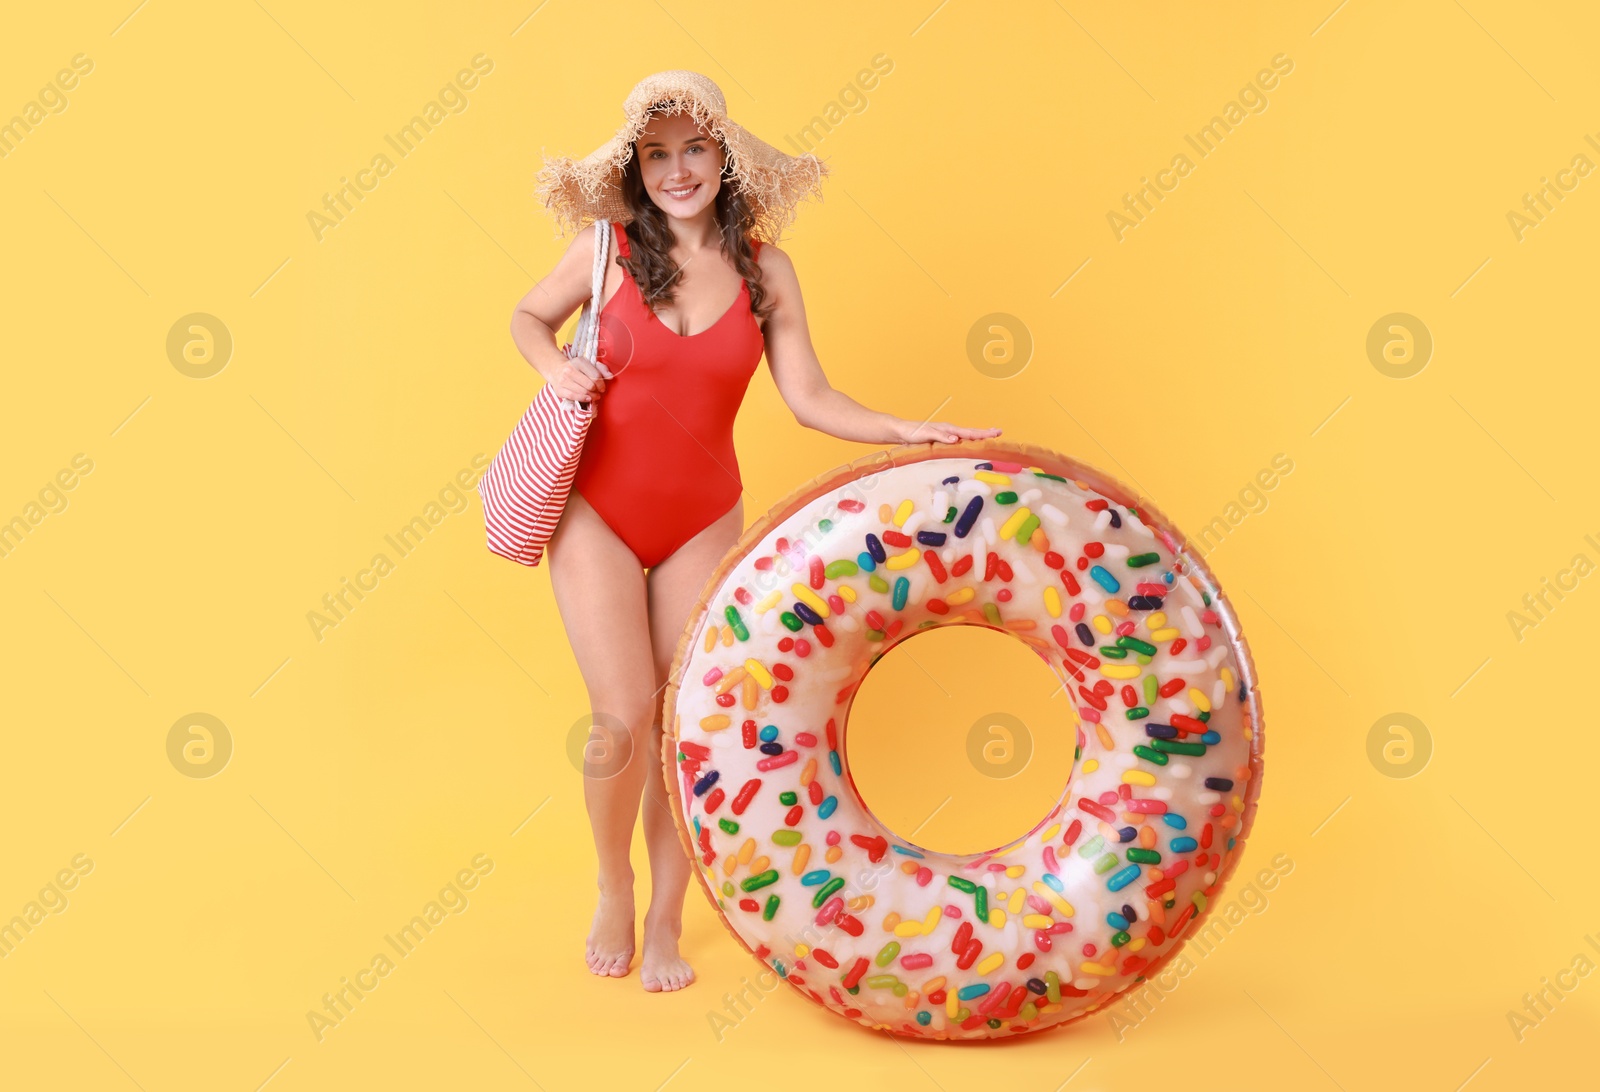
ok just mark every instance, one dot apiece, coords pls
pixel 579 191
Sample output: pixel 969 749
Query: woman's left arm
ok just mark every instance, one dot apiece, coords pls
pixel 806 390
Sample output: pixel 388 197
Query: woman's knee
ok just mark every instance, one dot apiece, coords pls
pixel 633 714
pixel 620 734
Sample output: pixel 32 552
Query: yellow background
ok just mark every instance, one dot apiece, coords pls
pixel 430 725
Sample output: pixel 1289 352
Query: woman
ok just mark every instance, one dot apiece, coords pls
pixel 691 197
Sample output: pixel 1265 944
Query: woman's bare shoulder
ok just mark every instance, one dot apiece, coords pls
pixel 582 245
pixel 553 299
pixel 774 261
pixel 577 261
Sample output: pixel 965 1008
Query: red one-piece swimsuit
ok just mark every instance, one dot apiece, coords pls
pixel 658 464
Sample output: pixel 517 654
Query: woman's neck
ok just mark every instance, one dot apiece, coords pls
pixel 700 233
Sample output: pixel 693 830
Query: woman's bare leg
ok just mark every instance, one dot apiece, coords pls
pixel 674 590
pixel 600 591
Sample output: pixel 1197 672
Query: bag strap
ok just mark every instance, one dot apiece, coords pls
pixel 602 250
pixel 586 341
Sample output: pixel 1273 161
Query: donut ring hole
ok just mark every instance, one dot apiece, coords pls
pixel 959 741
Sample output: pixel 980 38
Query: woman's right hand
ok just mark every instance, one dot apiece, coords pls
pixel 580 379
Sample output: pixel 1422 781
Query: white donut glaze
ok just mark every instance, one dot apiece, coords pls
pixel 1058 941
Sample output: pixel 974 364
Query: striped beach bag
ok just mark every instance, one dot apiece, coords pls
pixel 526 486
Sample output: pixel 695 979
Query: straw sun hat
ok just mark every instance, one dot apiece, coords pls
pixel 587 189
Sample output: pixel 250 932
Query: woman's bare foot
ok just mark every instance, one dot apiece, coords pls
pixel 662 969
pixel 610 943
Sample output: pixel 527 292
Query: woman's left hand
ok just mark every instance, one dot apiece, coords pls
pixel 911 432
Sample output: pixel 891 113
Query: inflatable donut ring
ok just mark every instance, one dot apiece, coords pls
pixel 1104 889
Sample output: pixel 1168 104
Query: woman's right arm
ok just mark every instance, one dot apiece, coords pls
pixel 541 313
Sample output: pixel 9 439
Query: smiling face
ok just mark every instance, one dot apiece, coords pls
pixel 680 164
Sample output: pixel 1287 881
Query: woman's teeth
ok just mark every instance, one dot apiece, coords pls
pixel 681 194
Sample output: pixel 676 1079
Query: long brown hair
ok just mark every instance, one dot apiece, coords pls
pixel 651 239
